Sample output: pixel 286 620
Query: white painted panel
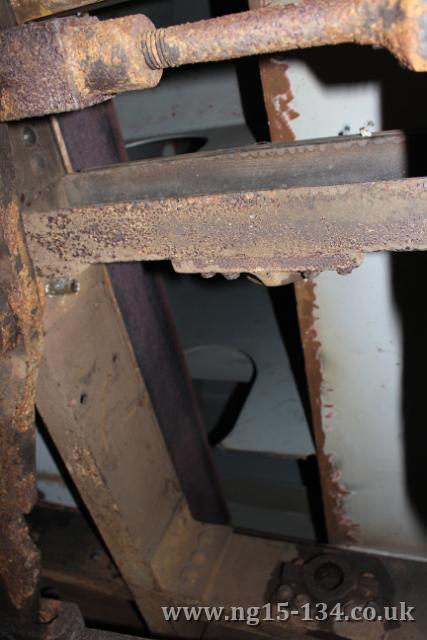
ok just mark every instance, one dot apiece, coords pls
pixel 361 344
pixel 361 359
pixel 327 109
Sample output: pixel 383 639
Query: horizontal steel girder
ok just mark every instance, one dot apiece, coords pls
pixel 305 207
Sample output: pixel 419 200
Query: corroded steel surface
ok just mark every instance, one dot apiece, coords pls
pixel 398 25
pixel 323 162
pixel 341 530
pixel 278 97
pixel 20 337
pixel 305 229
pixel 67 64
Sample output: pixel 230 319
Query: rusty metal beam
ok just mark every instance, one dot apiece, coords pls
pixel 275 82
pixel 299 208
pixel 21 304
pixel 20 339
pixel 305 229
pixel 93 139
pixel 324 162
pixel 398 25
pixel 68 63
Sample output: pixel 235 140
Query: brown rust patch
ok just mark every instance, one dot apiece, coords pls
pixel 67 64
pixel 20 313
pixel 303 229
pixel 276 82
pixel 340 528
pixel 398 25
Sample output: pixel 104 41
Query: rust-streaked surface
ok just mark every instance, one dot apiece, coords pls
pixel 398 25
pixel 20 339
pixel 278 96
pixel 340 528
pixel 66 64
pixel 93 139
pixel 303 229
pixel 310 163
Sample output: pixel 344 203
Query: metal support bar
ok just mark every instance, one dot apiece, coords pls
pixel 21 308
pixel 301 208
pixel 20 338
pixel 396 25
pixel 93 138
pixel 77 63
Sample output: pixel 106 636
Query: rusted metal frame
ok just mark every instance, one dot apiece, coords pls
pixel 99 415
pixel 26 10
pixel 193 563
pixel 93 139
pixel 37 166
pixel 21 304
pixel 301 229
pixel 397 25
pixel 86 60
pixel 276 83
pixel 144 481
pixel 324 162
pixel 20 342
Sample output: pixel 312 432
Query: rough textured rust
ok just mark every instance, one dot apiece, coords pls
pixel 340 529
pixel 93 139
pixel 26 10
pixel 20 337
pixel 308 229
pixel 398 25
pixel 66 64
pixel 278 98
pixel 279 167
pixel 69 63
pixel 324 162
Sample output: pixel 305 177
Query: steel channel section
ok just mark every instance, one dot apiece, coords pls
pixel 307 208
pixel 21 304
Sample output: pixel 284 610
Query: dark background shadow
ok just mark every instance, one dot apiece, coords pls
pixel 408 273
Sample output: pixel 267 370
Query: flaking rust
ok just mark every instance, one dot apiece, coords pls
pixel 276 86
pixel 20 342
pixel 341 530
pixel 67 64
